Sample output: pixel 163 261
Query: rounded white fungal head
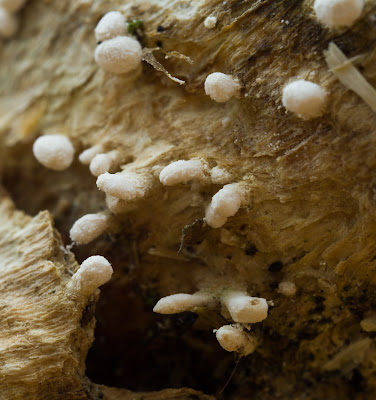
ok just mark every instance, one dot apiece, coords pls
pixel 111 25
pixel 88 227
pixel 233 338
pixel 180 302
pixel 181 172
pixel 210 22
pixel 244 308
pixel 95 271
pixel 338 13
pixel 225 203
pixel 119 55
pixel 221 87
pixel 122 186
pixel 87 155
pixel 8 24
pixel 12 5
pixel 100 164
pixel 54 151
pixel 304 98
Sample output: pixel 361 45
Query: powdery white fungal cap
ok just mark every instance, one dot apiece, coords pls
pixel 181 302
pixel 118 55
pixel 54 151
pixel 111 25
pixel 233 338
pixel 287 288
pixel 102 163
pixel 219 175
pixel 87 155
pixel 210 22
pixel 244 308
pixel 221 87
pixel 122 186
pixel 12 5
pixel 306 99
pixel 338 13
pixel 8 24
pixel 95 271
pixel 225 203
pixel 181 172
pixel 88 227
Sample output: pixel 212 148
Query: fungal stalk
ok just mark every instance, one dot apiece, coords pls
pixel 88 228
pixel 103 162
pixel 181 302
pixel 94 272
pixel 304 98
pixel 338 13
pixel 244 308
pixel 233 338
pixel 54 151
pixel 125 186
pixel 225 203
pixel 182 171
pixel 119 55
pixel 221 87
pixel 111 25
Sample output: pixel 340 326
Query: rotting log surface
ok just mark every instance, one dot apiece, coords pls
pixel 312 206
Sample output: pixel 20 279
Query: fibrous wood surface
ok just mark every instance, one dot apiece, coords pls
pixel 309 219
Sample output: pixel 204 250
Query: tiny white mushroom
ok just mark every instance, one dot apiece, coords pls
pixel 304 98
pixel 88 227
pixel 221 87
pixel 87 155
pixel 233 338
pixel 181 172
pixel 102 163
pixel 219 175
pixel 244 308
pixel 119 55
pixel 8 24
pixel 95 271
pixel 181 302
pixel 338 13
pixel 111 25
pixel 225 203
pixel 210 22
pixel 287 288
pixel 123 186
pixel 54 151
pixel 11 5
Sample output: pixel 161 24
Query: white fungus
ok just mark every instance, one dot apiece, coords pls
pixel 369 324
pixel 219 175
pixel 181 172
pixel 123 186
pixel 111 25
pixel 338 13
pixel 88 227
pixel 221 87
pixel 54 151
pixel 233 338
pixel 210 22
pixel 8 24
pixel 287 288
pixel 102 163
pixel 225 203
pixel 95 271
pixel 181 302
pixel 11 5
pixel 304 98
pixel 244 308
pixel 87 155
pixel 118 55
